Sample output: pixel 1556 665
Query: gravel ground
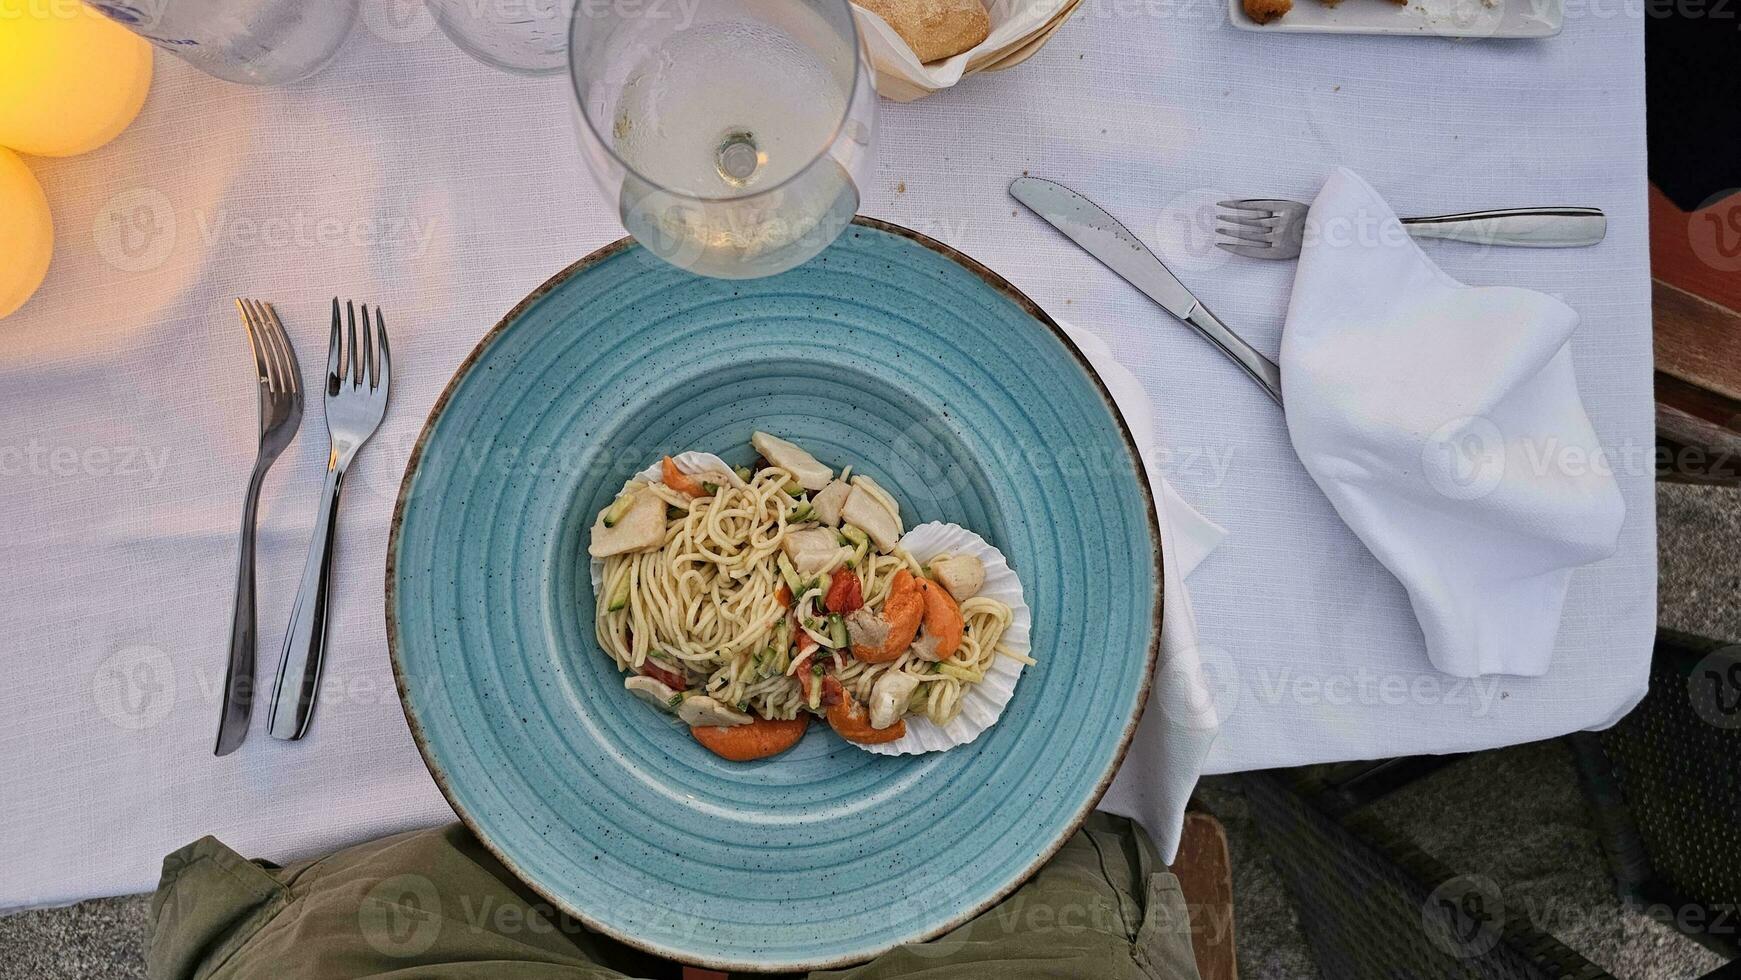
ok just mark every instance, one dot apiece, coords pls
pixel 103 938
pixel 1699 575
pixel 1525 797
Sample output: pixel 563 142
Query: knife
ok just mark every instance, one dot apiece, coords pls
pixel 1102 236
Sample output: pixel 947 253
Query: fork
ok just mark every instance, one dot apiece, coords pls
pixel 1262 228
pixel 280 390
pixel 357 381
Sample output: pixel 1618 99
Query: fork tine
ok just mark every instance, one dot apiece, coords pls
pixel 355 369
pixel 333 351
pixel 1246 206
pixel 260 366
pixel 291 370
pixel 368 375
pixel 1248 220
pixel 384 369
pixel 269 346
pixel 1246 234
pixel 255 341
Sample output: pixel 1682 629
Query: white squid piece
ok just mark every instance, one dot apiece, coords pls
pixel 829 502
pixel 702 711
pixel 868 513
pixel 889 697
pixel 643 527
pixel 962 575
pixel 810 474
pixel 651 691
pixel 812 551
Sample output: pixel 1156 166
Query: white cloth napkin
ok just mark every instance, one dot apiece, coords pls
pixel 1180 723
pixel 1443 422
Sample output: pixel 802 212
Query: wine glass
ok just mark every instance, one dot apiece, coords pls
pixel 526 37
pixel 732 134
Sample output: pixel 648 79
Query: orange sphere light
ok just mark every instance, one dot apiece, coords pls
pixel 70 79
pixel 26 232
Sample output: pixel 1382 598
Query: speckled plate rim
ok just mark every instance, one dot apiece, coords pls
pixel 1008 291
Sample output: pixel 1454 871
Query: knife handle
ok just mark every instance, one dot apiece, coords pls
pixel 1262 370
pixel 1524 227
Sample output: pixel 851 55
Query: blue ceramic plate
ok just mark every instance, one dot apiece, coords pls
pixel 888 351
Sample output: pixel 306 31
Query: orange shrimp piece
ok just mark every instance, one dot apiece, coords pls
pixel 756 740
pixel 678 480
pixel 851 721
pixel 942 618
pixel 904 609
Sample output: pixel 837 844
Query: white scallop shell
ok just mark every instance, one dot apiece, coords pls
pixel 690 462
pixel 983 702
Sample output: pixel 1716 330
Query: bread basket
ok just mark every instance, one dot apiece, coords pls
pixel 1018 29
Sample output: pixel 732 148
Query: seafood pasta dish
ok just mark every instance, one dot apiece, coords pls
pixel 747 600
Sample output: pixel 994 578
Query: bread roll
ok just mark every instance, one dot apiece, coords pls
pixel 1264 11
pixel 934 29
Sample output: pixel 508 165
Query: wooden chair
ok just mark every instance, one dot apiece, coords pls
pixel 1695 266
pixel 1205 872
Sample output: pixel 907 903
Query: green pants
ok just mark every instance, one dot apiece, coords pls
pixel 436 904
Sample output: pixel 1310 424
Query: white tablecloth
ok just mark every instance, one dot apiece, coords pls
pixel 409 176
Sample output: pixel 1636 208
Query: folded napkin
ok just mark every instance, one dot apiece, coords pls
pixel 1443 422
pixel 1166 754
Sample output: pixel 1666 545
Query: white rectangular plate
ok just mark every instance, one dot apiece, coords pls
pixel 1425 18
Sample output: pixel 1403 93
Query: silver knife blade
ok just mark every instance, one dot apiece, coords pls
pixel 1104 237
